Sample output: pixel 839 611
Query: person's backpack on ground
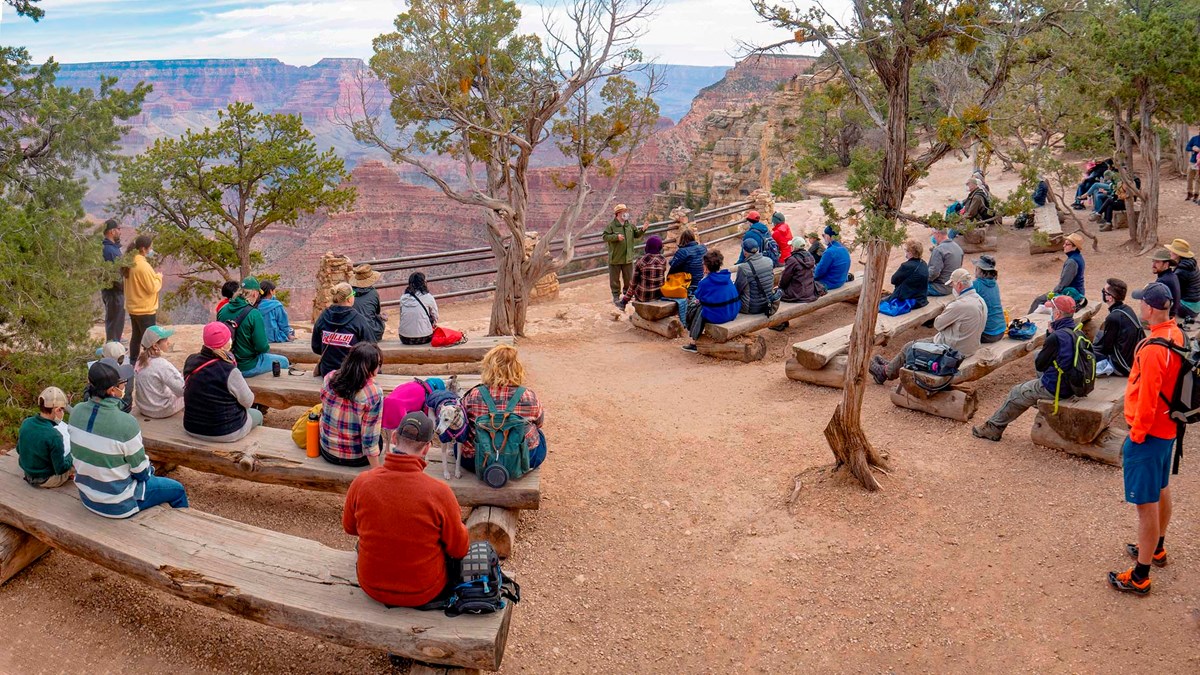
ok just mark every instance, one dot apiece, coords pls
pixel 1081 373
pixel 501 451
pixel 1184 405
pixel 482 586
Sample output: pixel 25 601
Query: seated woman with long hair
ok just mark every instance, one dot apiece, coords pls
pixel 502 375
pixel 418 312
pixel 352 409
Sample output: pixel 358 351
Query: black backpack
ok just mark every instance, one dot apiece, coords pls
pixel 482 587
pixel 237 320
pixel 1081 373
pixel 1184 405
pixel 933 358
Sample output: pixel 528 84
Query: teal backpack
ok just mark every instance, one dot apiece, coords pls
pixel 501 452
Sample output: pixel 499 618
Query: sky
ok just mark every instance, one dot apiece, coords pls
pixel 301 32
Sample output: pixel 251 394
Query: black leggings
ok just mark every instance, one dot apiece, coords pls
pixel 361 461
pixel 416 341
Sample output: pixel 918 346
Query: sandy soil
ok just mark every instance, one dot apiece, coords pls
pixel 665 542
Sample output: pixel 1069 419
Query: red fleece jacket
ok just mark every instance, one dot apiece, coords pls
pixel 407 523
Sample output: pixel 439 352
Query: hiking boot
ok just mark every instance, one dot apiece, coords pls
pixel 690 348
pixel 987 431
pixel 1078 206
pixel 1159 559
pixel 1123 581
pixel 780 328
pixel 878 371
pixel 620 304
pixel 1093 217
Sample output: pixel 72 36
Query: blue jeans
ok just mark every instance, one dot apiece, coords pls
pixel 161 490
pixel 538 455
pixel 933 291
pixel 683 303
pixel 263 365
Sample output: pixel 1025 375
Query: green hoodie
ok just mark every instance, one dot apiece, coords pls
pixel 42 451
pixel 250 337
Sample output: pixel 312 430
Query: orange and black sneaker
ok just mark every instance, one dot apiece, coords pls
pixel 1123 581
pixel 1159 559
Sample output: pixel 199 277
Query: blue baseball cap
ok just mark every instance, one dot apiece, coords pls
pixel 1155 294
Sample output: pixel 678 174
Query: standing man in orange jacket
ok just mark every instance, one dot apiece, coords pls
pixel 1146 456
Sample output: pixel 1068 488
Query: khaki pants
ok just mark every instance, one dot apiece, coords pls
pixel 56 481
pixel 1193 180
pixel 619 278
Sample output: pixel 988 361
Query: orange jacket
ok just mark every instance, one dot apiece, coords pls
pixel 1152 384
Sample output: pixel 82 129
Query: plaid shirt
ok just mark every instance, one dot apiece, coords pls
pixel 350 428
pixel 649 273
pixel 528 407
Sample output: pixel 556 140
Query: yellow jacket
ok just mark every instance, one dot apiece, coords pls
pixel 142 287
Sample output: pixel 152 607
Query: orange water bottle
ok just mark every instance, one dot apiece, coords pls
pixel 313 444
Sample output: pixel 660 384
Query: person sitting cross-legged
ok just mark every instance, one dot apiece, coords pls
pixel 1056 356
pixel 409 525
pixel 112 473
pixel 959 326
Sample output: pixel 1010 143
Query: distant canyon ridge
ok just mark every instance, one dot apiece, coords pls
pixel 396 213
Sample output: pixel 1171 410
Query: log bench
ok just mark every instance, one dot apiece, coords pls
pixel 958 402
pixel 658 316
pixel 287 391
pixel 394 352
pixel 1046 220
pixel 1092 427
pixel 821 360
pixel 275 579
pixel 734 339
pixel 268 455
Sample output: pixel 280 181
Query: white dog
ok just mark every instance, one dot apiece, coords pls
pixel 451 423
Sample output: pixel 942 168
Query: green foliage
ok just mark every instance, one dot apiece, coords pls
pixel 207 194
pixel 27 8
pixel 788 187
pixel 830 126
pixel 50 259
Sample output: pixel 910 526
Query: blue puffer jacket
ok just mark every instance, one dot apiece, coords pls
pixel 833 267
pixel 689 259
pixel 760 234
pixel 719 299
pixel 989 290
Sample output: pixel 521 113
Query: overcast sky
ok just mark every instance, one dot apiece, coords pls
pixel 301 32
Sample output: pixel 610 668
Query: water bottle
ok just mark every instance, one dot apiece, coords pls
pixel 275 368
pixel 313 444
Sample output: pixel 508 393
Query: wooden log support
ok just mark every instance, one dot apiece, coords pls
pixel 275 579
pixel 18 550
pixel 495 525
pixel 816 353
pixel 653 311
pixel 426 669
pixel 301 390
pixel 832 375
pixel 1083 420
pixel 955 403
pixel 745 324
pixel 1106 447
pixel 670 327
pixel 268 455
pixel 988 244
pixel 394 352
pixel 746 349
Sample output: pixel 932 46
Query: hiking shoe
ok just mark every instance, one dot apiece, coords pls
pixel 1123 581
pixel 780 328
pixel 1078 206
pixel 878 372
pixel 987 431
pixel 619 304
pixel 690 348
pixel 1159 559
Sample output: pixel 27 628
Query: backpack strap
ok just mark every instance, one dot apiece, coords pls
pixel 422 304
pixel 514 400
pixel 201 367
pixel 487 399
pixel 241 316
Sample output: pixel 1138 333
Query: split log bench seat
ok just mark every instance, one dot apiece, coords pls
pixel 268 455
pixel 394 352
pixel 960 403
pixel 821 360
pixel 658 316
pixel 275 579
pixel 1092 427
pixel 724 340
pixel 300 390
pixel 1046 220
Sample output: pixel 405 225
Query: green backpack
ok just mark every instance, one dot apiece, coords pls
pixel 501 451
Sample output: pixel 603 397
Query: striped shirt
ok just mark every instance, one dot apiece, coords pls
pixel 111 468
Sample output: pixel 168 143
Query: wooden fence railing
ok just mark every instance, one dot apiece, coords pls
pixel 428 262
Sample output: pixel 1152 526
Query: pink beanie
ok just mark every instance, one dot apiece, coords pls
pixel 216 335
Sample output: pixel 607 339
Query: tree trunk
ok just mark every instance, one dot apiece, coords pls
pixel 1179 157
pixel 511 299
pixel 1150 145
pixel 845 433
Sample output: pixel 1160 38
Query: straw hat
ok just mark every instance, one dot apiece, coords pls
pixel 364 276
pixel 619 208
pixel 1181 248
pixel 1076 239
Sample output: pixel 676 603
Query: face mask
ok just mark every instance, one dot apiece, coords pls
pixel 624 217
pixel 150 253
pixel 933 240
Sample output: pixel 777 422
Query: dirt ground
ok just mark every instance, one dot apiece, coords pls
pixel 665 543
